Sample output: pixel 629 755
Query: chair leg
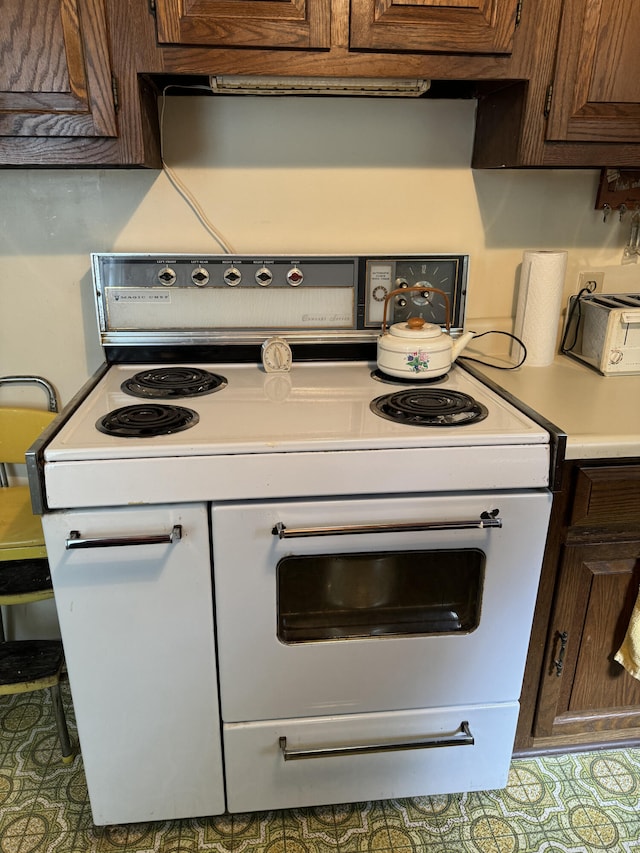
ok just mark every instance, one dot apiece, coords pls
pixel 61 723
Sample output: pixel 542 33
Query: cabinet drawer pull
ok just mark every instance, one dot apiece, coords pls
pixel 462 738
pixel 559 662
pixel 486 519
pixel 75 540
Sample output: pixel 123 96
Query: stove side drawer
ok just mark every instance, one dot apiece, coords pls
pixel 258 777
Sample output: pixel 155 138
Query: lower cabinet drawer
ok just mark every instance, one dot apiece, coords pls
pixel 277 764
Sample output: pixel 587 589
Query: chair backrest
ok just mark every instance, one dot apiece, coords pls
pixel 19 428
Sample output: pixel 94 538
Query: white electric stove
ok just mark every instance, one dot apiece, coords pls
pixel 282 537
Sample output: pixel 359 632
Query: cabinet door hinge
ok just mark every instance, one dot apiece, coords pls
pixel 519 12
pixel 114 92
pixel 547 100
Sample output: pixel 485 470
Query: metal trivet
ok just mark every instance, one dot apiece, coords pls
pixel 172 382
pixel 429 407
pixel 147 420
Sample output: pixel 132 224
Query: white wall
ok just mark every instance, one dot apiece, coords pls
pixel 280 175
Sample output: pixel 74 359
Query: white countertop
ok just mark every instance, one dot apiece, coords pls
pixel 600 414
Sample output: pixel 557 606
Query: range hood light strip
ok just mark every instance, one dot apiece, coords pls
pixel 265 85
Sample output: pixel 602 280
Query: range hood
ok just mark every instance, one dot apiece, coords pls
pixel 266 85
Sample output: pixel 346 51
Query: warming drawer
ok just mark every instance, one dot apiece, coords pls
pixel 475 754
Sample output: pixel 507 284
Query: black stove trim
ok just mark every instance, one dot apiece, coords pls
pixel 558 437
pixel 234 353
pixel 35 454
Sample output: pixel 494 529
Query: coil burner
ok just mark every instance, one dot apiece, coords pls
pixel 387 379
pixel 172 382
pixel 147 420
pixel 429 407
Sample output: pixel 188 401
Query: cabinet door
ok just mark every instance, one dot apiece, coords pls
pixel 245 23
pixel 461 26
pixel 55 71
pixel 136 618
pixel 583 688
pixel 596 91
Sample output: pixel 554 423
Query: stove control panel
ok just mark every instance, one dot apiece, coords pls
pixel 143 298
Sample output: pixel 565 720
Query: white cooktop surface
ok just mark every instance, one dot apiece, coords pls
pixel 318 406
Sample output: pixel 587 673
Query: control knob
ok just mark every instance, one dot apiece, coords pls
pixel 200 277
pixel 232 276
pixel 295 276
pixel 167 276
pixel 264 276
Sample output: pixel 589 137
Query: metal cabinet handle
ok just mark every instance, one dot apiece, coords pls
pixel 462 738
pixel 487 519
pixel 75 540
pixel 559 662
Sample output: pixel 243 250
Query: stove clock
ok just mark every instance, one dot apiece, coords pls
pixel 446 273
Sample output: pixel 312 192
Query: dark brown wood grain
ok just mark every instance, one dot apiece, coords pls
pixel 596 94
pixel 607 494
pixel 55 70
pixel 245 23
pixel 589 584
pixel 475 26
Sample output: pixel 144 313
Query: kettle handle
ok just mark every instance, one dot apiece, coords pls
pixel 419 290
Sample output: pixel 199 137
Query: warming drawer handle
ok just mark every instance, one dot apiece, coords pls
pixel 76 541
pixel 463 737
pixel 487 519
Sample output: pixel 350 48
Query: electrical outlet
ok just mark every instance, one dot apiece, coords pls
pixel 593 275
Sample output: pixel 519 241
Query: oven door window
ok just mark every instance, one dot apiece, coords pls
pixel 344 596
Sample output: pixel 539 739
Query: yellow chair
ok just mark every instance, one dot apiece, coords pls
pixel 26 665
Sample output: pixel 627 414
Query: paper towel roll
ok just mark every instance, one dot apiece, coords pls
pixel 539 304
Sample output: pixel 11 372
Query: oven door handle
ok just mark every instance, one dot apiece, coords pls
pixel 463 737
pixel 487 519
pixel 75 540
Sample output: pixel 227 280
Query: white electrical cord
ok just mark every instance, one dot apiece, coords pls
pixel 179 186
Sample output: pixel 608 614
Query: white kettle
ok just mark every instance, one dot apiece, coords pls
pixel 416 349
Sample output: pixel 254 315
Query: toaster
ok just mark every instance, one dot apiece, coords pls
pixel 603 331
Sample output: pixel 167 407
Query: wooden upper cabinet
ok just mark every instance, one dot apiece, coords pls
pixel 245 23
pixel 596 90
pixel 55 74
pixel 442 26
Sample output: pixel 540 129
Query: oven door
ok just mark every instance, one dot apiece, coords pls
pixel 350 606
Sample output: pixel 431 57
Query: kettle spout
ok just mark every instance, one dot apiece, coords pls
pixel 460 343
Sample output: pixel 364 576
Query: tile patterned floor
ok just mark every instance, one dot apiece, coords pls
pixel 562 804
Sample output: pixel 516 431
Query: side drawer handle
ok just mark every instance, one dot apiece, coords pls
pixel 487 519
pixel 75 540
pixel 462 738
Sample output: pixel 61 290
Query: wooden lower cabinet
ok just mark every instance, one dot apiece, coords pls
pixel 583 688
pixel 575 694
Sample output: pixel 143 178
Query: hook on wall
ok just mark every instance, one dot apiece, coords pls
pixel 632 249
pixel 619 189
